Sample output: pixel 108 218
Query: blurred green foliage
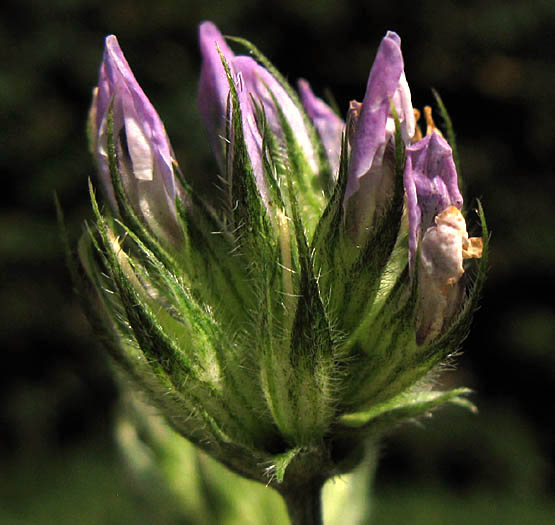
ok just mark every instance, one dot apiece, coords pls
pixel 491 61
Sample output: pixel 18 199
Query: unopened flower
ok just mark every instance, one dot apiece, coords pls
pixel 260 87
pixel 371 163
pixel 143 151
pixel 266 90
pixel 303 308
pixel 433 203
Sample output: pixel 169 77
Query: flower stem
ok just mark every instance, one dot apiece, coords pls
pixel 304 503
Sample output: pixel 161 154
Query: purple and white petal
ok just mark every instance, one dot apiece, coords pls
pixel 370 136
pixel 146 159
pixel 431 185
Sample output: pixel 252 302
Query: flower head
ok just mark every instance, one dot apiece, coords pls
pixel 292 320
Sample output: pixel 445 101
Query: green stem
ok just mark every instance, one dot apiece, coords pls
pixel 304 503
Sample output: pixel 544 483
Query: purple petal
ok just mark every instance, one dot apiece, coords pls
pixel 139 113
pixel 403 105
pixel 374 125
pixel 146 159
pixel 262 85
pixel 431 185
pixel 370 134
pixel 213 86
pixel 329 126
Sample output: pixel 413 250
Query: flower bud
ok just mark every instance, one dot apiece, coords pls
pixel 435 219
pixel 272 119
pixel 257 82
pixel 216 106
pixel 144 155
pixel 268 92
pixel 370 177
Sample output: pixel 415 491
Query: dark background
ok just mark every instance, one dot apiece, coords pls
pixel 492 63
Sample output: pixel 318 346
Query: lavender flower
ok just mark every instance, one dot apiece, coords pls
pixel 371 166
pixel 264 102
pixel 433 205
pixel 144 154
pixel 430 183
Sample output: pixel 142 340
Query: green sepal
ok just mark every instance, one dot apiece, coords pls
pixel 311 330
pixel 186 411
pixel 283 328
pixel 100 305
pixel 206 334
pixel 215 274
pixel 247 212
pixel 385 416
pixel 304 370
pixel 383 347
pixel 106 315
pixel 329 232
pixel 88 284
pixel 177 366
pixel 357 272
pixel 274 157
pixel 280 464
